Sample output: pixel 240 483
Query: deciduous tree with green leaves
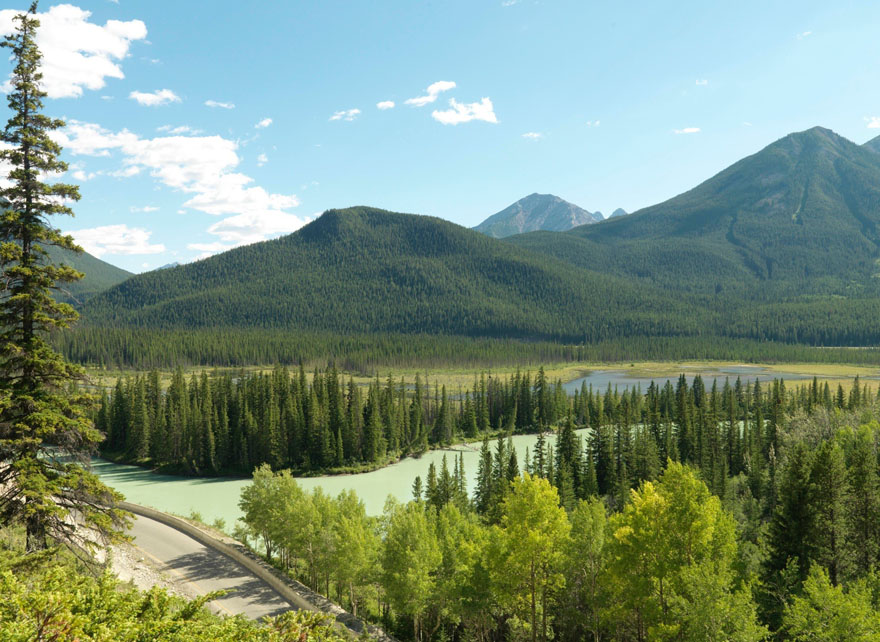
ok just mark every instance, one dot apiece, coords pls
pixel 528 551
pixel 44 431
pixel 670 565
pixel 410 559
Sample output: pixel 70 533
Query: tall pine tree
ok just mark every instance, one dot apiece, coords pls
pixel 44 432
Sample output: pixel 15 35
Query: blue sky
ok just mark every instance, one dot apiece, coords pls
pixel 196 126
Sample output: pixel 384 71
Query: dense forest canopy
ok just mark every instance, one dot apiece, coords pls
pixel 731 511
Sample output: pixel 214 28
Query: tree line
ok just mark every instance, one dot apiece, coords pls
pixel 230 423
pixel 146 348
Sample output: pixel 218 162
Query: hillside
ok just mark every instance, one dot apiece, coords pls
pixel 363 270
pixel 537 212
pixel 99 275
pixel 873 144
pixel 800 216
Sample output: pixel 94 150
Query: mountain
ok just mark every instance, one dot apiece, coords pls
pixel 99 275
pixel 800 216
pixel 618 212
pixel 873 144
pixel 364 270
pixel 536 212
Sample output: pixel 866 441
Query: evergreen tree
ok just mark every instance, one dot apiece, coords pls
pixel 831 496
pixel 40 417
pixel 792 545
pixel 483 490
pixel 864 502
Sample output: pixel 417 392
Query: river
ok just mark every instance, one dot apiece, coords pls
pixel 600 379
pixel 217 498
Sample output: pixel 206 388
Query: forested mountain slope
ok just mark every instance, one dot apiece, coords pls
pixel 781 246
pixel 800 216
pixel 99 275
pixel 873 144
pixel 537 212
pixel 364 270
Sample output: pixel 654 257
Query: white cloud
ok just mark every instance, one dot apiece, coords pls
pixel 347 114
pixel 509 3
pixel 466 112
pixel 146 209
pixel 804 34
pixel 217 246
pixel 82 176
pixel 215 103
pixel 201 166
pixel 262 159
pixel 746 123
pixel 251 227
pixel 126 172
pixel 88 139
pixel 263 123
pixel 78 54
pixel 687 130
pixel 533 135
pixel 385 104
pixel 702 82
pixel 176 131
pixel 431 94
pixel 154 99
pixel 593 123
pixel 873 122
pixel 116 239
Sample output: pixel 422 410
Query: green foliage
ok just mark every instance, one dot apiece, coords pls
pixel 828 613
pixel 527 555
pixel 411 554
pixel 670 563
pixel 48 600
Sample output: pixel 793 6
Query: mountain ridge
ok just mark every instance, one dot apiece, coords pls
pixel 801 213
pixel 537 212
pixel 365 269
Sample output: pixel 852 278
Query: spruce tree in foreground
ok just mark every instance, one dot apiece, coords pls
pixel 44 432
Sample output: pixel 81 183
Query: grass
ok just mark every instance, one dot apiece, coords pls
pixel 454 378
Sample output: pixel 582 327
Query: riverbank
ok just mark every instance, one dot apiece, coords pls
pixel 566 372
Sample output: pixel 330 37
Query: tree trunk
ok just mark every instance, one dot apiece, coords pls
pixel 534 608
pixel 36 534
pixel 544 614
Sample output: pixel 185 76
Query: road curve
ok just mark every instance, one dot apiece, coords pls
pixel 206 570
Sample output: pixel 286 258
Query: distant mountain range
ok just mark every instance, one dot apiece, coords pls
pixel 800 216
pixel 783 245
pixel 537 212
